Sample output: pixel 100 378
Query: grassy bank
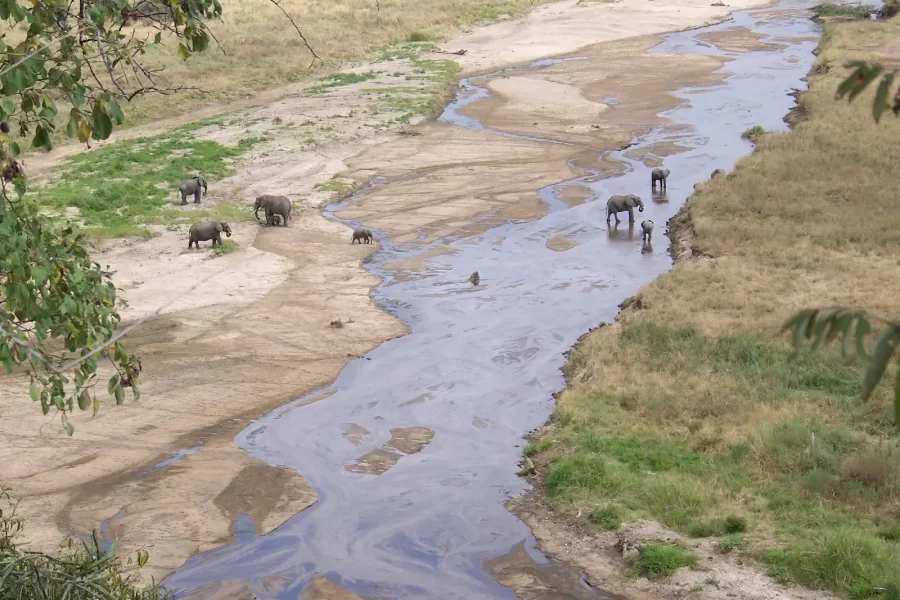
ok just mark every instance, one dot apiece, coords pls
pixel 687 410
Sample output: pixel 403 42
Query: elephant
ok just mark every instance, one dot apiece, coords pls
pixel 275 220
pixel 647 231
pixel 659 175
pixel 617 204
pixel 273 205
pixel 208 230
pixel 361 234
pixel 192 187
pixel 716 173
pixel 474 278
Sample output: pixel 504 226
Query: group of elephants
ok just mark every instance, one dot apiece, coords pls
pixel 628 202
pixel 278 211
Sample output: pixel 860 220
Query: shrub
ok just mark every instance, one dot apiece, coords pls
pixel 735 524
pixel 608 517
pixel 661 560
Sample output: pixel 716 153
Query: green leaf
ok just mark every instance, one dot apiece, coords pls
pixel 881 96
pixel 96 406
pixel 868 77
pixel 847 337
pixel 34 392
pixel 84 400
pixel 142 558
pixel 69 429
pixel 102 124
pixel 136 391
pixel 884 349
pixel 120 395
pixel 862 330
pixel 113 384
pixel 158 38
pixel 42 138
pixel 183 52
pixel 820 327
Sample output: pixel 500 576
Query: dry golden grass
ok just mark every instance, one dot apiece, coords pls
pixel 262 49
pixel 694 389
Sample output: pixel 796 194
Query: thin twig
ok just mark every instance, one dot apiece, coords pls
pixel 300 33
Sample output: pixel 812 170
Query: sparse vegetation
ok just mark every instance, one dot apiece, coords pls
pixel 661 560
pixel 754 133
pixel 693 407
pixel 227 247
pixel 79 571
pixel 340 80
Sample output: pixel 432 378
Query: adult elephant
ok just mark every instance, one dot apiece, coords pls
pixel 273 205
pixel 192 187
pixel 617 204
pixel 660 175
pixel 207 230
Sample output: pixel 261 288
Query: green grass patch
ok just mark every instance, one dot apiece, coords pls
pixel 121 188
pixel 227 247
pixel 341 187
pixel 608 517
pixel 661 560
pixel 729 543
pixel 854 11
pixel 339 80
pixel 754 133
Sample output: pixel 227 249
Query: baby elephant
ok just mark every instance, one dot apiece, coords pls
pixel 659 175
pixel 191 187
pixel 647 231
pixel 275 219
pixel 207 230
pixel 360 234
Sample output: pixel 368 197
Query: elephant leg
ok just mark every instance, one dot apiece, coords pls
pixel 183 199
pixel 631 215
pixel 197 196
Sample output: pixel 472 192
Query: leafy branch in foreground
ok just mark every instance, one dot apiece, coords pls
pixel 823 325
pixel 865 73
pixel 80 571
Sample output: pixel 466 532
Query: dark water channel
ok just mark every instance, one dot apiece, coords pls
pixel 481 363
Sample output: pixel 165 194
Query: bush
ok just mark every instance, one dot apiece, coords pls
pixel 608 517
pixel 661 560
pixel 754 133
pixel 856 11
pixel 80 571
pixel 729 543
pixel 734 524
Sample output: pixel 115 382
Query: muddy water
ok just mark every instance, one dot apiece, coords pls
pixel 479 366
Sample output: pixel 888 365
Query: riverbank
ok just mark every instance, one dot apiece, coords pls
pixel 684 429
pixel 166 474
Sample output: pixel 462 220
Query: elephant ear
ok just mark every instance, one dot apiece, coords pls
pixel 219 226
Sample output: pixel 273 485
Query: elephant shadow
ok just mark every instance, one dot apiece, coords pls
pixel 660 196
pixel 647 248
pixel 616 234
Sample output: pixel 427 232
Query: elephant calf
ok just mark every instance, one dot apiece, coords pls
pixel 275 220
pixel 191 187
pixel 207 230
pixel 273 205
pixel 361 234
pixel 617 204
pixel 646 231
pixel 659 175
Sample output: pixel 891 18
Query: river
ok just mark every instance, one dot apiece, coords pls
pixel 480 364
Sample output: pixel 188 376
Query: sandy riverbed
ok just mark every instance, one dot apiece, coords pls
pixel 258 333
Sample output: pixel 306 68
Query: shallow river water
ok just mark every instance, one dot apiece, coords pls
pixel 481 363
